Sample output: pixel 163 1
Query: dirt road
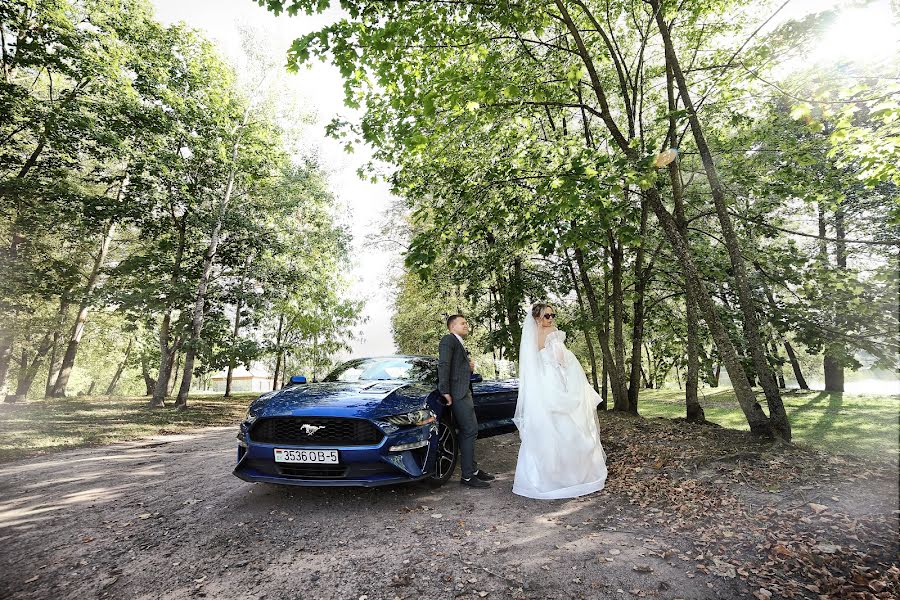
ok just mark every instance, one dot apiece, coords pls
pixel 689 512
pixel 164 518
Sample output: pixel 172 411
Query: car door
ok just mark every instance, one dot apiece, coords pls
pixel 495 405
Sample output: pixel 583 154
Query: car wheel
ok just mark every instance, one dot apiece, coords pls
pixel 447 454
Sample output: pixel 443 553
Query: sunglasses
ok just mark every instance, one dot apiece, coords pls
pixel 549 316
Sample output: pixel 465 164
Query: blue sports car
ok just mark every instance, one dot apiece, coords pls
pixel 372 421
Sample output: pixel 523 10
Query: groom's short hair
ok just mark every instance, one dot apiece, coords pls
pixel 452 318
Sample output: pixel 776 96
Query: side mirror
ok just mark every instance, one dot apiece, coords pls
pixel 476 378
pixel 296 379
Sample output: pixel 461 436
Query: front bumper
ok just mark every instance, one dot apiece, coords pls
pixel 366 466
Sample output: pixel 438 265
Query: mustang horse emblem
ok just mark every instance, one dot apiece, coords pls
pixel 310 429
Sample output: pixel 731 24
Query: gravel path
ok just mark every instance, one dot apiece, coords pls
pixel 164 518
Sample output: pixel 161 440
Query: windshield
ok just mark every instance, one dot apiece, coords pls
pixel 377 369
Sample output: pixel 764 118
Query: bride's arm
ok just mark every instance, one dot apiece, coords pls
pixel 558 348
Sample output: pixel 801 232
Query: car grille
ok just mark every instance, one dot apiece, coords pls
pixel 335 432
pixel 314 471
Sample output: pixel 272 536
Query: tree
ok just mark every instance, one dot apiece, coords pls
pixel 65 87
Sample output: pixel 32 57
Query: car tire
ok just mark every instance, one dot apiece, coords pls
pixel 447 454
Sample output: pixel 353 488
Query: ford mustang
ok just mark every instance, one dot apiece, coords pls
pixel 372 421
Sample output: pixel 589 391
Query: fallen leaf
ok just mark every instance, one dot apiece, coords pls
pixel 642 568
pixel 781 550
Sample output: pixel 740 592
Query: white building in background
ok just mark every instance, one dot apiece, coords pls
pixel 255 379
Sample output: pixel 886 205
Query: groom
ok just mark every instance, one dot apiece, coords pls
pixel 454 383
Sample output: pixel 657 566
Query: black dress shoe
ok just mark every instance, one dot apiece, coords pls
pixel 484 475
pixel 474 482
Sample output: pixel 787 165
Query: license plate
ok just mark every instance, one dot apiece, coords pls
pixel 328 457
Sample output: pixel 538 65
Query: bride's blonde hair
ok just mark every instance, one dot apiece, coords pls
pixel 538 308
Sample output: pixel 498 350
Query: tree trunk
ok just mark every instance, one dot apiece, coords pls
pixel 836 351
pixel 620 394
pixel 649 379
pixel 834 374
pixel 115 380
pixel 662 372
pixel 831 362
pixel 208 260
pixel 637 325
pixel 604 394
pixel 30 368
pixel 583 320
pixel 6 347
pixel 795 365
pixel 161 389
pixel 52 365
pixel 275 378
pixel 778 419
pixel 176 360
pixel 200 305
pixel 756 418
pixel 604 386
pixel 237 326
pixel 694 411
pixel 618 303
pixel 511 294
pixel 149 382
pixel 68 361
pixel 779 373
pixel 792 357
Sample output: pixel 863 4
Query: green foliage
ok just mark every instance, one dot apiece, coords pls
pixel 116 120
pixel 516 140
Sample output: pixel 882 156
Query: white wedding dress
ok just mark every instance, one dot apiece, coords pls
pixel 561 455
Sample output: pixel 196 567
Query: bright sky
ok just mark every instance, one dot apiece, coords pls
pixel 318 90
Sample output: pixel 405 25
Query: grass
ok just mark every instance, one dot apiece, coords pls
pixel 865 425
pixel 42 426
pixel 839 423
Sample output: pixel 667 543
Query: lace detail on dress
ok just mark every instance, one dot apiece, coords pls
pixel 554 355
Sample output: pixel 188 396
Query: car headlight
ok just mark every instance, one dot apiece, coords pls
pixel 249 418
pixel 417 418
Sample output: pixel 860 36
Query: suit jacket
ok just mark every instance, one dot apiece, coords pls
pixel 454 373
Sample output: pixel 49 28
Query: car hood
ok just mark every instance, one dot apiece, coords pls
pixel 367 399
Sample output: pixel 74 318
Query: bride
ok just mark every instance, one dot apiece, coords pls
pixel 561 455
